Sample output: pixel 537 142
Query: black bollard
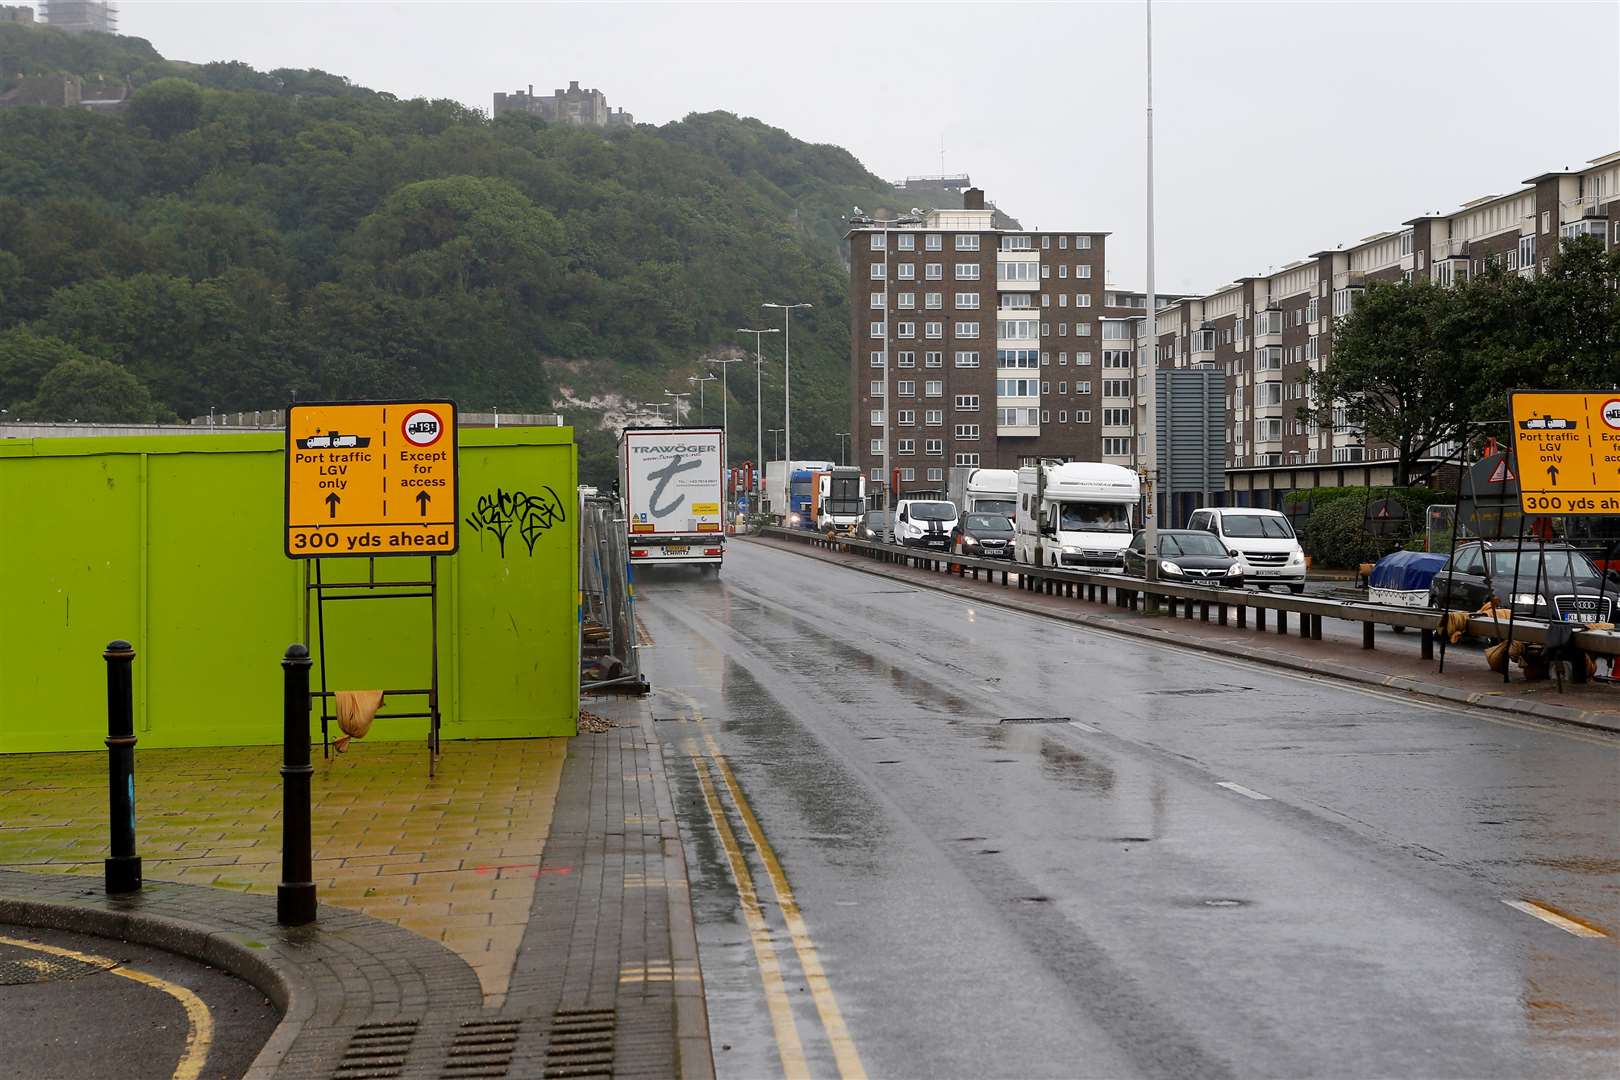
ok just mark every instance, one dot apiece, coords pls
pixel 122 873
pixel 295 895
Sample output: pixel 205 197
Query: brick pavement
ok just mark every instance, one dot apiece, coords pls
pixel 510 939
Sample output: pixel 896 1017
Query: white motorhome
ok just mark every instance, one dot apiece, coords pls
pixel 984 491
pixel 673 490
pixel 1079 513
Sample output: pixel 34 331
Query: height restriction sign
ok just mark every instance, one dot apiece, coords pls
pixel 371 478
pixel 1567 447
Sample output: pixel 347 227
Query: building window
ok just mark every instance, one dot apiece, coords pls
pixel 1344 300
pixel 1012 388
pixel 1063 270
pixel 1063 416
pixel 1406 242
pixel 906 242
pixel 1016 329
pixel 934 301
pixel 933 388
pixel 935 447
pixel 933 359
pixel 967 271
pixel 1082 416
pixel 968 359
pixel 967 459
pixel 877 388
pixel 876 270
pixel 905 446
pixel 1527 250
pixel 1116 358
pixel 1546 221
pixel 1082 300
pixel 878 241
pixel 1083 272
pixel 907 359
pixel 1018 271
pixel 1046 416
pixel 1063 329
pixel 877 472
pixel 1017 358
pixel 1046 388
pixel 967 329
pixel 1082 387
pixel 967 241
pixel 1083 329
pixel 967 402
pixel 935 475
pixel 967 432
pixel 906 417
pixel 1063 242
pixel 1082 243
pixel 906 329
pixel 906 388
pixel 1116 417
pixel 906 300
pixel 1063 300
pixel 877 300
pixel 1063 387
pixel 877 329
pixel 1016 242
pixel 934 329
pixel 1115 447
pixel 1046 301
pixel 877 417
pixel 934 271
pixel 1116 388
pixel 967 300
pixel 906 272
pixel 933 417
pixel 877 359
pixel 907 475
pixel 877 446
pixel 1082 359
pixel 1046 270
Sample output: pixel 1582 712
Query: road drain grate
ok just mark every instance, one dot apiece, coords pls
pixel 376 1051
pixel 1034 720
pixel 581 1044
pixel 481 1049
pixel 43 969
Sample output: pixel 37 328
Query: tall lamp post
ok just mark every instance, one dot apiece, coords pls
pixel 725 363
pixel 759 393
pixel 698 381
pixel 659 405
pixel 787 363
pixel 860 219
pixel 776 445
pixel 676 398
pixel 842 435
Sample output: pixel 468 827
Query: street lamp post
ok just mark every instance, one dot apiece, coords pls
pixel 861 219
pixel 725 363
pixel 759 393
pixel 676 398
pixel 776 446
pixel 842 435
pixel 659 405
pixel 787 363
pixel 699 381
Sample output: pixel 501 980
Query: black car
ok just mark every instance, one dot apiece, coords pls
pixel 870 527
pixel 1553 582
pixel 1189 555
pixel 989 536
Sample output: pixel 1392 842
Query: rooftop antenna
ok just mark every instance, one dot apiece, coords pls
pixel 942 154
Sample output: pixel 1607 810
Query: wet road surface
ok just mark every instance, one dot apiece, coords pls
pixel 76 1007
pixel 986 844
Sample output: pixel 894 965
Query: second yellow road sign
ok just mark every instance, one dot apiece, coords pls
pixel 1567 447
pixel 371 478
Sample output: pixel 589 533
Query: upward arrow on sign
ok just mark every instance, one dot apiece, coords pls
pixel 1552 474
pixel 422 499
pixel 332 501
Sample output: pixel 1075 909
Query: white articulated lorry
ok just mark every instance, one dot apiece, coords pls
pixel 673 485
pixel 1079 513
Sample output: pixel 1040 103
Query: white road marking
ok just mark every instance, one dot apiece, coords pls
pixel 1551 917
pixel 1241 790
pixel 1087 728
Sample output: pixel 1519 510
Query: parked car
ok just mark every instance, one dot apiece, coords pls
pixel 871 525
pixel 1552 582
pixel 925 523
pixel 989 536
pixel 1188 555
pixel 1264 539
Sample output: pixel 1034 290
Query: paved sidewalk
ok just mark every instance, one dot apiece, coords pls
pixel 476 935
pixel 1466 680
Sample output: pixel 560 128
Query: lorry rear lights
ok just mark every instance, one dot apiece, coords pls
pixel 714 551
pixel 638 553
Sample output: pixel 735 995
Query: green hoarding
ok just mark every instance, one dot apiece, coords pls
pixel 175 543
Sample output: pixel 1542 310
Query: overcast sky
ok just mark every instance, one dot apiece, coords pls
pixel 1282 128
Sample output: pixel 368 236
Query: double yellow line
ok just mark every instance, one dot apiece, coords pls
pixel 777 1000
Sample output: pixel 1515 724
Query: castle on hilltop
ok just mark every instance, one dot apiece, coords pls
pixel 576 107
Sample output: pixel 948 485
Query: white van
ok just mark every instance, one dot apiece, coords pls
pixel 927 523
pixel 1264 538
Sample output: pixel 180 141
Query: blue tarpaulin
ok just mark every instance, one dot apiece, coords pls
pixel 1406 570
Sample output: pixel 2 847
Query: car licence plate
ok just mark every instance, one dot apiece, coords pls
pixel 676 549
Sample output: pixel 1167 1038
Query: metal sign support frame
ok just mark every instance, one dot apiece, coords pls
pixel 368 590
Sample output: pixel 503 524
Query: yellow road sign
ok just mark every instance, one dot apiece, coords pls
pixel 1567 447
pixel 371 478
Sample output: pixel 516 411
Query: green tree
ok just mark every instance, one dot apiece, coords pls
pixel 1398 371
pixel 93 392
pixel 167 107
pixel 25 359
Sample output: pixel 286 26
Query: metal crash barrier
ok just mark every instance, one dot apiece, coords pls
pixel 1203 602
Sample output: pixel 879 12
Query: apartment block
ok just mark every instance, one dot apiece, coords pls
pixel 1002 346
pixel 1264 333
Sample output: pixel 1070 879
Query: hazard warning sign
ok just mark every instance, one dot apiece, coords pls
pixel 371 478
